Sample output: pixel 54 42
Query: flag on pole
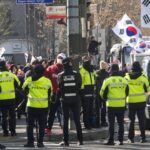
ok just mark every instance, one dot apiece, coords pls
pixel 145 13
pixel 140 46
pixel 127 31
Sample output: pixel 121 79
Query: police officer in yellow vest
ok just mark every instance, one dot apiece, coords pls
pixel 8 83
pixel 38 89
pixel 138 86
pixel 88 81
pixel 115 91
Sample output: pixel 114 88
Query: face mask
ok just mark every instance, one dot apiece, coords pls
pixel 59 61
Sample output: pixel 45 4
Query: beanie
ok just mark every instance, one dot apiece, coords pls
pixel 136 67
pixel 39 69
pixel 114 68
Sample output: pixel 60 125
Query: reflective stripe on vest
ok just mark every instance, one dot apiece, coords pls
pixel 88 95
pixel 139 94
pixel 10 91
pixel 70 94
pixel 38 99
pixel 116 98
pixel 69 84
pixel 6 78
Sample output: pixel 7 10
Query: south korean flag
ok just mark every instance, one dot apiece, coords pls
pixel 145 13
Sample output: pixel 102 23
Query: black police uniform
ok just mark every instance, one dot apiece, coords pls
pixel 70 84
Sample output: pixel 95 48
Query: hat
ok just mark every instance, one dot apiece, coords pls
pixel 114 68
pixel 39 69
pixel 61 55
pixel 2 64
pixel 103 65
pixel 136 67
pixel 66 61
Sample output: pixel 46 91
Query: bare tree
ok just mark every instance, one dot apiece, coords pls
pixel 6 21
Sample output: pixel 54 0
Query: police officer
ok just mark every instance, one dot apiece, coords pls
pixel 138 86
pixel 115 90
pixel 8 83
pixel 38 89
pixel 88 82
pixel 70 84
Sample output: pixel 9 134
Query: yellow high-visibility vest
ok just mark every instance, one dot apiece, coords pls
pixel 38 92
pixel 116 96
pixel 136 89
pixel 87 78
pixel 7 88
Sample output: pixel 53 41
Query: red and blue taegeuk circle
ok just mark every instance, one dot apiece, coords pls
pixel 131 31
pixel 142 45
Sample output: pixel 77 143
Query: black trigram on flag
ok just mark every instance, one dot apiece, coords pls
pixel 146 2
pixel 146 19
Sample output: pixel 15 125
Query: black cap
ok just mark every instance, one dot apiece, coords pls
pixel 66 61
pixel 114 68
pixel 136 67
pixel 2 64
pixel 39 69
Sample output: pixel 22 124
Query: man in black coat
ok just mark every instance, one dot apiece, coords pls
pixel 70 84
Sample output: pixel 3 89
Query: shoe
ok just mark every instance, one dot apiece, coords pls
pixel 79 143
pixel 64 144
pixel 29 145
pixel 109 143
pixel 6 134
pixel 121 143
pixel 88 127
pixel 48 131
pixel 130 141
pixel 2 146
pixel 143 141
pixel 104 124
pixel 13 133
pixel 40 144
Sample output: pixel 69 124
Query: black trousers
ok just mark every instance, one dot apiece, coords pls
pixel 54 105
pixel 141 118
pixel 8 110
pixel 87 104
pixel 100 111
pixel 119 114
pixel 75 108
pixel 39 115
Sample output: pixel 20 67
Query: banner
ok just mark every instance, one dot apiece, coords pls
pixel 127 31
pixel 56 12
pixel 145 13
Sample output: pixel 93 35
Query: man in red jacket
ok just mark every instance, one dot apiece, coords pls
pixel 52 73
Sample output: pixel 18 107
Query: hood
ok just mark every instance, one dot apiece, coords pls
pixel 135 75
pixel 35 77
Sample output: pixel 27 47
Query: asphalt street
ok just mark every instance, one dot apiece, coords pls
pixel 16 143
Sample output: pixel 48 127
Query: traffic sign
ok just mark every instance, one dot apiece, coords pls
pixel 33 1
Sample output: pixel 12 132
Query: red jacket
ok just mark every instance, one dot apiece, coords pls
pixel 52 73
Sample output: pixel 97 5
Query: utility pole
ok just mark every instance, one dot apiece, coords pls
pixel 73 38
pixel 83 26
pixel 73 30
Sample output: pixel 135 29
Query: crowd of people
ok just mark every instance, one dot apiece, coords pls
pixel 44 88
